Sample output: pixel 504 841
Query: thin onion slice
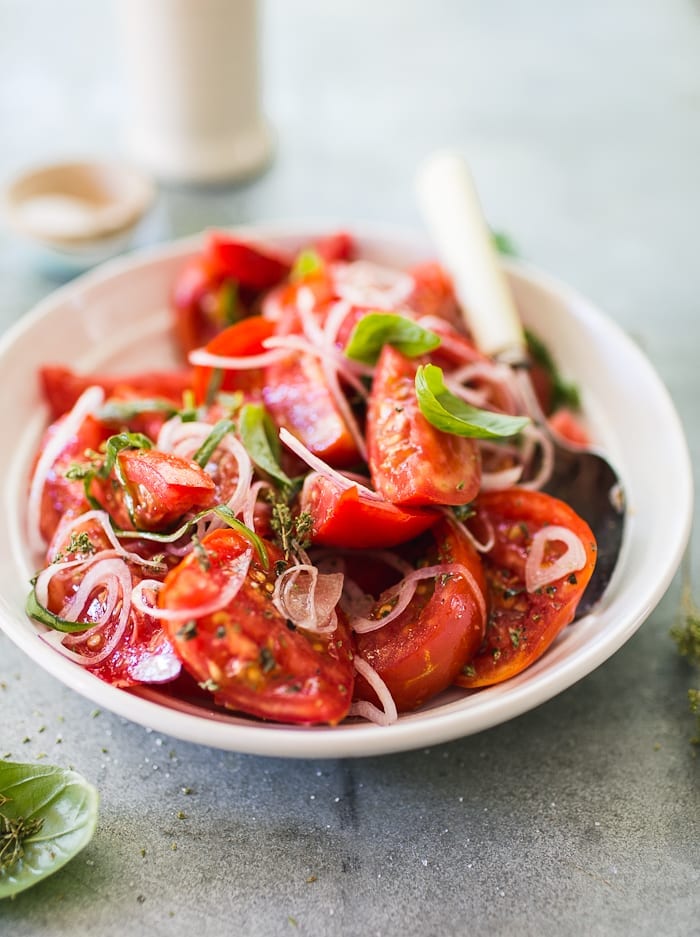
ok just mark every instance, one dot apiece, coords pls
pixel 388 714
pixel 88 403
pixel 310 603
pixel 318 465
pixel 241 363
pixel 539 574
pixel 403 592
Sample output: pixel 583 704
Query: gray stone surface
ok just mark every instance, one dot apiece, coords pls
pixel 583 126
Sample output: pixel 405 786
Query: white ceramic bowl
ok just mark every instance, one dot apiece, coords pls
pixel 117 318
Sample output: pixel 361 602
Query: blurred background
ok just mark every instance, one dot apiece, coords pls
pixel 582 125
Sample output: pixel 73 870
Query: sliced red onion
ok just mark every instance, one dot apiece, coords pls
pixel 535 436
pixel 537 574
pixel 245 362
pixel 66 527
pixel 308 598
pixel 88 403
pixel 388 714
pixel 341 402
pixel 114 576
pixel 363 283
pixel 504 478
pixel 184 439
pixel 328 355
pixel 403 592
pixel 252 500
pixel 337 314
pixel 138 599
pixel 238 569
pixel 318 465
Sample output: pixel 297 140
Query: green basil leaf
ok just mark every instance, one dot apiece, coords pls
pixel 120 411
pixel 39 613
pixel 503 244
pixel 452 415
pixel 306 264
pixel 211 443
pixel 377 329
pixel 259 436
pixel 55 809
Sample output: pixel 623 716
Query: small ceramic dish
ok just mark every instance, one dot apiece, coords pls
pixel 75 215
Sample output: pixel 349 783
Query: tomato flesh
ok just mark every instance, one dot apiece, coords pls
pixel 522 625
pixel 243 339
pixel 421 652
pixel 246 653
pixel 349 518
pixel 160 487
pixel 411 462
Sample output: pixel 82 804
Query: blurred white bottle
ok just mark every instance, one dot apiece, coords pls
pixel 192 83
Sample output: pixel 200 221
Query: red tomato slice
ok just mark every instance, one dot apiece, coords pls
pixel 162 488
pixel 349 518
pixel 248 266
pixel 433 293
pixel 423 650
pixel 240 340
pixel 522 625
pixel 411 462
pixel 62 386
pixel 252 661
pixel 335 247
pixel 568 425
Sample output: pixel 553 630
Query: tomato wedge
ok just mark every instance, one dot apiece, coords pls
pixel 411 462
pixel 247 265
pixel 61 386
pixel 240 340
pixel 421 652
pixel 522 624
pixel 350 518
pixel 158 489
pixel 245 652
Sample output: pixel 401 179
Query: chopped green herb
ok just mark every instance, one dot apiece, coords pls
pixel 377 329
pixel 188 631
pixel 203 455
pixel 564 393
pixel 267 660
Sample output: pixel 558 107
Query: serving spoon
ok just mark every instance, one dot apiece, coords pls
pixel 580 476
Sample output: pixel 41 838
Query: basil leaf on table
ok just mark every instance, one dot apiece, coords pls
pixel 377 329
pixel 449 413
pixel 47 815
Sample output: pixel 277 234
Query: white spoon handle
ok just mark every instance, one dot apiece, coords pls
pixel 455 221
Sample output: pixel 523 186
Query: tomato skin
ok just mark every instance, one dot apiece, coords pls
pixel 567 424
pixel 421 652
pixel 248 266
pixel 348 518
pixel 433 293
pixel 61 386
pixel 162 486
pixel 522 625
pixel 335 247
pixel 411 462
pixel 240 340
pixel 258 664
